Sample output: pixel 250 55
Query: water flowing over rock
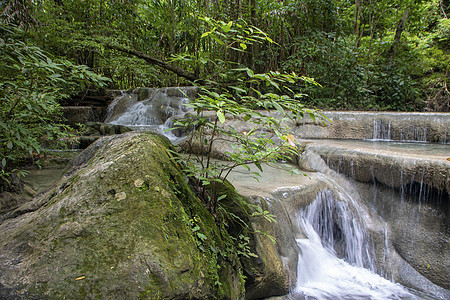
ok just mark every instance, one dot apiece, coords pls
pixel 409 229
pixel 349 235
pixel 119 224
pixel 328 222
pixel 422 127
pixel 393 164
pixel 399 251
pixel 151 108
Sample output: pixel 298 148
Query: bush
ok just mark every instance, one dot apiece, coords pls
pixel 30 87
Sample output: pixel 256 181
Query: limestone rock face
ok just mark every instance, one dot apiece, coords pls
pixel 391 166
pixel 418 233
pixel 118 225
pixel 273 271
pixel 425 127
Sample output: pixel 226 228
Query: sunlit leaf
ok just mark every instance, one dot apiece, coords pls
pixel 221 116
pixel 227 27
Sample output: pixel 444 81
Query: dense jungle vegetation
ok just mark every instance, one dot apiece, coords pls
pixel 365 54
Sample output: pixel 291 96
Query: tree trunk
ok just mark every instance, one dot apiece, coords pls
pixel 444 5
pixel 398 33
pixel 356 25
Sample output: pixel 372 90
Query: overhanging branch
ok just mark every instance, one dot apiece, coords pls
pixel 154 61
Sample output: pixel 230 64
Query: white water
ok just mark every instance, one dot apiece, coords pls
pixel 381 130
pixel 155 113
pixel 321 274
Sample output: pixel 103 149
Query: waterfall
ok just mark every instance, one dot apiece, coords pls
pixel 340 231
pixel 329 224
pixel 340 224
pixel 150 109
pixel 381 130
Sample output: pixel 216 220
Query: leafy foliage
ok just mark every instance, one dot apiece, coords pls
pixel 220 101
pixel 31 85
pixel 344 45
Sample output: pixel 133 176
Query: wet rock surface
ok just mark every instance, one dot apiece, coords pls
pixel 392 164
pixel 425 127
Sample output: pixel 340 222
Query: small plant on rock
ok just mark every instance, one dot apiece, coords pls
pixel 265 101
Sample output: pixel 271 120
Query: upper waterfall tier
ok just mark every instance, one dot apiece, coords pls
pixel 419 127
pixel 149 106
pixel 156 106
pixel 151 109
pixel 391 163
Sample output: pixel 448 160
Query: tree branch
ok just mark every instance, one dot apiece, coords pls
pixel 154 61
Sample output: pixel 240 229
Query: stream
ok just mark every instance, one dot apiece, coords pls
pixel 347 247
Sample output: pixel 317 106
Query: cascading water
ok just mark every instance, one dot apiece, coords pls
pixel 388 215
pixel 336 260
pixel 330 224
pixel 339 230
pixel 381 130
pixel 153 110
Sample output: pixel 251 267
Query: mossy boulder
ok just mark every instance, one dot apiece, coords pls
pixel 120 224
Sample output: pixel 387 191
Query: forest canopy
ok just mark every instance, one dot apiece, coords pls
pixel 329 54
pixel 366 54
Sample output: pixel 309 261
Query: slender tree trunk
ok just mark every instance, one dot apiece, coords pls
pixel 356 24
pixel 398 33
pixel 443 6
pixel 172 28
pixel 372 28
pixel 361 33
pixel 255 49
pixel 206 3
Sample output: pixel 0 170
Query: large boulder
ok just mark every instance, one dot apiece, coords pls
pixel 120 224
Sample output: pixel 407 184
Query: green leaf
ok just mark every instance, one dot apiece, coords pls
pixel 201 236
pixel 238 89
pixel 4 162
pixel 227 27
pixel 243 46
pixel 216 38
pixel 206 34
pixel 278 107
pixel 9 145
pixel 221 116
pixel 258 165
pixel 221 197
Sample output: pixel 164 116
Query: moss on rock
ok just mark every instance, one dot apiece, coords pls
pixel 122 224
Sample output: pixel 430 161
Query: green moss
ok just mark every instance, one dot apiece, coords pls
pixel 127 223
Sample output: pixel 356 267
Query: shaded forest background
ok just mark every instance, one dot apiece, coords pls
pixel 366 54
